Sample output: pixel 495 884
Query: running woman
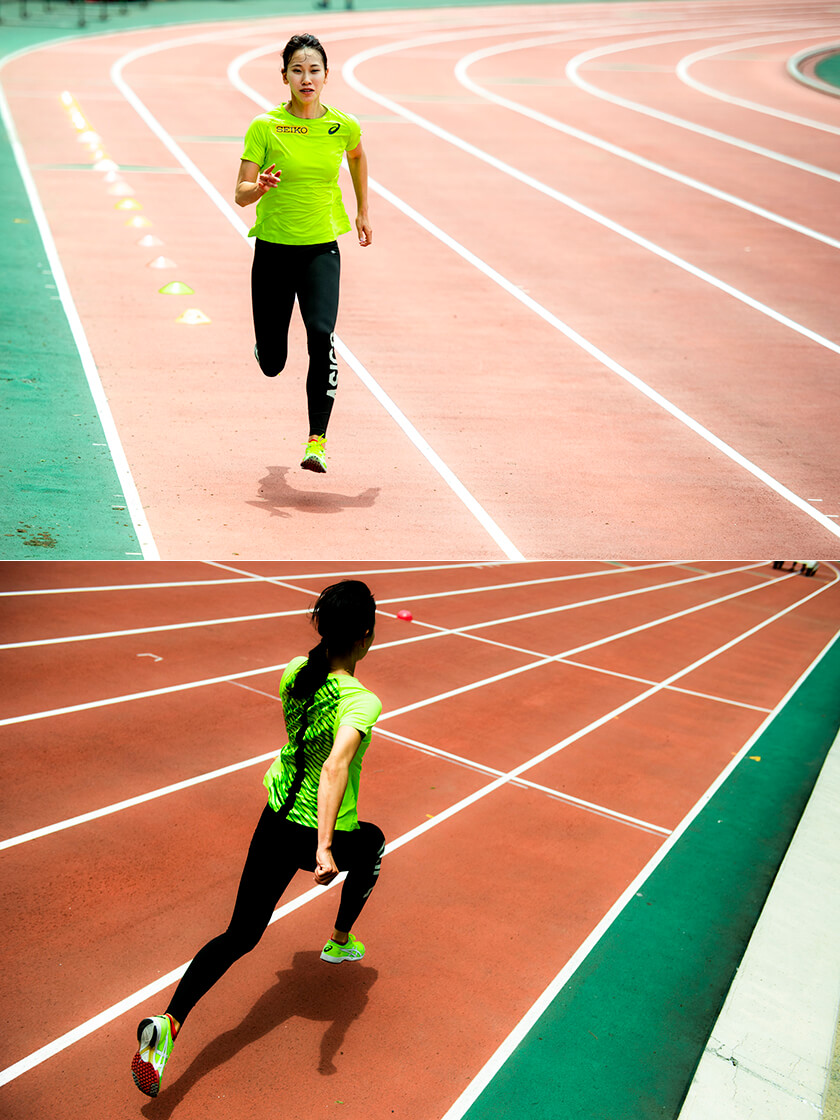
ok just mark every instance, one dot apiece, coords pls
pixel 290 169
pixel 310 821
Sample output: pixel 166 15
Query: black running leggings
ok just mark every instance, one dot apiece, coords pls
pixel 278 849
pixel 310 272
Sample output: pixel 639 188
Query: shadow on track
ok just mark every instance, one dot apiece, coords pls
pixel 276 495
pixel 310 989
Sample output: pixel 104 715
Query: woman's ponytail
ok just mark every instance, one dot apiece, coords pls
pixel 312 675
pixel 343 615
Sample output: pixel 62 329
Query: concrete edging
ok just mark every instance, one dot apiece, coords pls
pixel 773 1051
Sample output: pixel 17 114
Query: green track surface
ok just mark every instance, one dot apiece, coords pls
pixel 828 69
pixel 61 494
pixel 622 1039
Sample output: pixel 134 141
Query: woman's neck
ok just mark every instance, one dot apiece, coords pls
pixel 305 112
pixel 343 664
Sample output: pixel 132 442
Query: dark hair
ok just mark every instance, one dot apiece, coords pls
pixel 343 615
pixel 299 43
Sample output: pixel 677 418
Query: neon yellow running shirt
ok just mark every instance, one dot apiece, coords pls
pixel 341 701
pixel 306 208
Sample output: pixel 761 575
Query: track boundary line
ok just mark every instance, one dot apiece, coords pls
pixel 116 1010
pixel 685 64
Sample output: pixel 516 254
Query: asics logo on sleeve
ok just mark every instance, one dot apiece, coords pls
pixel 333 129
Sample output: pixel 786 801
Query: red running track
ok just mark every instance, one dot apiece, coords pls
pixel 618 694
pixel 597 296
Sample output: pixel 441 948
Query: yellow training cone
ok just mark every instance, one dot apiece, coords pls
pixel 129 204
pixel 138 222
pixel 192 316
pixel 176 288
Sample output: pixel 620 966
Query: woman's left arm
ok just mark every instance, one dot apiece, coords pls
pixel 357 163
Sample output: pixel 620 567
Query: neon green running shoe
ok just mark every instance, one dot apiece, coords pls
pixel 313 456
pixel 353 951
pixel 155 1038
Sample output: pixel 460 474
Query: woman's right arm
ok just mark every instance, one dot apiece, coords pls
pixel 331 787
pixel 253 183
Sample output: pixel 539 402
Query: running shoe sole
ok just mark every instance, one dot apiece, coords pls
pixel 146 1075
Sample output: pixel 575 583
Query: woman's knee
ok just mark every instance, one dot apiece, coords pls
pixel 374 838
pixel 271 360
pixel 241 941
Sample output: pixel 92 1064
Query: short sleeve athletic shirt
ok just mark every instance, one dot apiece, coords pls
pixel 306 207
pixel 341 701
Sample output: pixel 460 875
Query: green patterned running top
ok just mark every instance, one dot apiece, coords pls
pixel 311 725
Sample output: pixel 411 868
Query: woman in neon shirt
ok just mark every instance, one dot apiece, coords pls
pixel 310 821
pixel 289 167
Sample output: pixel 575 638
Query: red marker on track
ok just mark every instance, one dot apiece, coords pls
pixel 406 616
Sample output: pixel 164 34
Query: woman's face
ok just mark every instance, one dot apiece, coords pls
pixel 305 75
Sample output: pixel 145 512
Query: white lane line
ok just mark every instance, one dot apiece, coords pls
pixel 161 983
pixel 462 74
pixel 130 802
pixel 269 756
pixel 226 620
pixel 524 783
pixel 348 73
pixel 573 73
pixel 647 680
pixel 684 74
pixel 540 660
pixel 252 578
pixel 434 631
pixel 795 67
pixel 120 587
pixel 475 508
pixel 492 1067
pixel 134 506
pixel 604 359
pixel 658 398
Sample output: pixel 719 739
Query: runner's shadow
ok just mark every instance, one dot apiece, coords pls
pixel 311 989
pixel 276 495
